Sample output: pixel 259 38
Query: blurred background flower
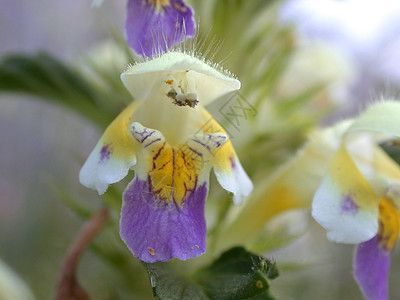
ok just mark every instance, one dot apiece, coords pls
pixel 11 286
pixel 366 32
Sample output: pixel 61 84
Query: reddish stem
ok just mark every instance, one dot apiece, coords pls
pixel 68 287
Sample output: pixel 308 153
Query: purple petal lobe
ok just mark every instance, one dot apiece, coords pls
pixel 158 231
pixel 150 30
pixel 371 269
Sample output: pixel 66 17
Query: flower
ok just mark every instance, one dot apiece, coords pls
pixel 289 187
pixel 352 186
pixel 357 201
pixel 171 142
pixel 152 26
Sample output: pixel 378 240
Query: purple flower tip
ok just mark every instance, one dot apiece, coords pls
pixel 153 26
pixel 157 231
pixel 371 269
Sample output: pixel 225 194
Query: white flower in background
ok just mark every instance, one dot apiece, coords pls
pixel 11 286
pixel 354 188
pixel 358 199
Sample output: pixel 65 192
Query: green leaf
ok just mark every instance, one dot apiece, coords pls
pixel 166 284
pixel 236 274
pixel 44 76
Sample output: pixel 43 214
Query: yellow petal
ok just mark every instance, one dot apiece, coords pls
pixel 113 155
pixel 227 167
pixel 389 224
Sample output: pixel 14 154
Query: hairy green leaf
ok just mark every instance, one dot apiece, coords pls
pixel 236 274
pixel 166 284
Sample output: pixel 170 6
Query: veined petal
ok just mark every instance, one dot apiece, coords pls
pixel 114 154
pixel 371 269
pixel 345 204
pixel 174 172
pixel 159 231
pixel 227 167
pixel 153 26
pixel 163 211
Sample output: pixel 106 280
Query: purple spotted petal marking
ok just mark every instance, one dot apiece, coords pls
pixel 233 163
pixel 157 231
pixel 150 31
pixel 348 205
pixel 105 153
pixel 371 269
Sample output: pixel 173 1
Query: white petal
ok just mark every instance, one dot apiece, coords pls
pixel 98 173
pixel 345 204
pixel 344 222
pixel 113 155
pixel 234 179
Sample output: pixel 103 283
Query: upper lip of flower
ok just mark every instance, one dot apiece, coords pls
pixel 181 73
